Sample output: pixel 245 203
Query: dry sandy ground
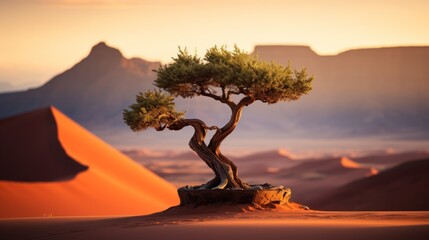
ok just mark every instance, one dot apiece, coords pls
pixel 227 223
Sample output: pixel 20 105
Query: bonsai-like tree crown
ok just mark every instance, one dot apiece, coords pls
pixel 222 73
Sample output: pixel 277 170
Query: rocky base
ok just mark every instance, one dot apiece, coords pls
pixel 259 195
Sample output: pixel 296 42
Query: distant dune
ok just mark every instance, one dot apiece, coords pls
pixel 263 164
pixel 326 167
pixel 312 178
pixel 186 168
pixel 87 177
pixel 388 160
pixel 400 188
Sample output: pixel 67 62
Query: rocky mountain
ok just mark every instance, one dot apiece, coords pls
pixel 93 92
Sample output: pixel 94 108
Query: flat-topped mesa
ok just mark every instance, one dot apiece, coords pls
pixel 294 53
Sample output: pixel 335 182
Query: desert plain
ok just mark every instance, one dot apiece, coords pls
pixel 226 222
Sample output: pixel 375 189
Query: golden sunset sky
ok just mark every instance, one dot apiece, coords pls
pixel 41 38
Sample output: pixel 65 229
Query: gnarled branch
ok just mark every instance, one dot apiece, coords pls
pixel 202 92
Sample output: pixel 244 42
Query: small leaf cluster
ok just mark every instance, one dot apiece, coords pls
pixel 151 109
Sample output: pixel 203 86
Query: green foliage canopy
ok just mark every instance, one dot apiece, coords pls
pixel 222 73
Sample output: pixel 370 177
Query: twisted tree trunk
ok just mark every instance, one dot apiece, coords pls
pixel 223 172
pixel 226 173
pixel 225 131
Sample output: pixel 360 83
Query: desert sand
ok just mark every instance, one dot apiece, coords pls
pixel 227 222
pixel 110 183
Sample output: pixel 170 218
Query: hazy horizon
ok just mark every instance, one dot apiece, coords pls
pixel 10 86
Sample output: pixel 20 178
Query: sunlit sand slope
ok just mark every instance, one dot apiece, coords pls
pixel 112 184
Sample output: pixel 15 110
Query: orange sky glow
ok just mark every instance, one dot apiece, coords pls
pixel 40 38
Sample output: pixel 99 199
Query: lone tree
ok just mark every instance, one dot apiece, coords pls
pixel 219 75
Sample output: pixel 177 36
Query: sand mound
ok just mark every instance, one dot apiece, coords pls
pixel 112 185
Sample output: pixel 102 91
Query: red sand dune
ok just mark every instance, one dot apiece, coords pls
pixel 113 184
